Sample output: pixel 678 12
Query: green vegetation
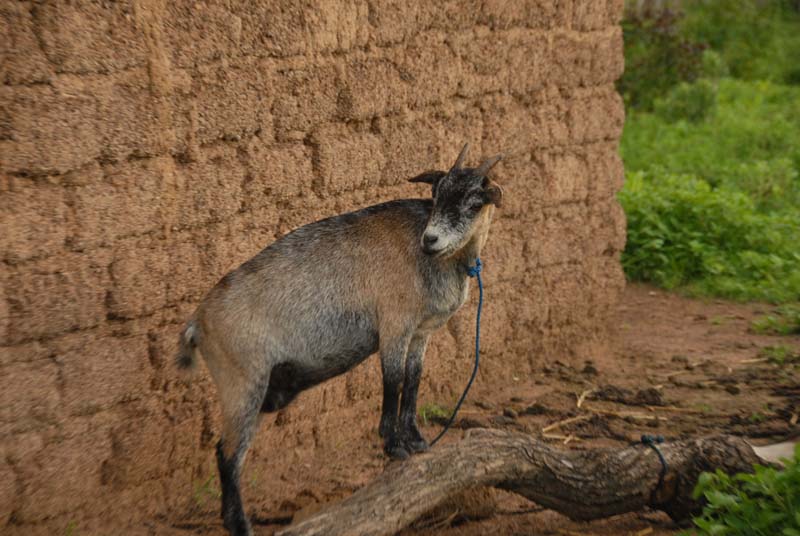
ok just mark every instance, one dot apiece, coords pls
pixel 780 355
pixel 764 503
pixel 784 321
pixel 712 150
pixel 431 412
pixel 208 489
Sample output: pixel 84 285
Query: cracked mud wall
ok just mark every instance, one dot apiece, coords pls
pixel 148 147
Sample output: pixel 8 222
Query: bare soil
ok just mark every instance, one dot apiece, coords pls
pixel 683 367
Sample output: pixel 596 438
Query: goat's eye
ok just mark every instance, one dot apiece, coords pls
pixel 475 206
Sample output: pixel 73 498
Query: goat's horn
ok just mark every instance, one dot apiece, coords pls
pixel 489 164
pixel 461 157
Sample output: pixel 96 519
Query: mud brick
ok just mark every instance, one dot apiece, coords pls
pixel 87 36
pixel 138 273
pixel 288 28
pixel 200 32
pixel 55 128
pixel 565 176
pixel 606 173
pixel 276 172
pixel 58 294
pixel 411 146
pixel 559 240
pixel 137 131
pixel 134 198
pixel 29 396
pixel 65 476
pixel 32 216
pixel 540 14
pixel 210 188
pixel 231 101
pixel 98 373
pixel 308 95
pixel 590 15
pixel 22 61
pixel 348 160
pixel 595 115
pixel 372 87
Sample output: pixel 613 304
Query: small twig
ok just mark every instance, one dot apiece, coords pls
pixel 794 418
pixel 624 414
pixel 561 437
pixel 583 396
pixel 673 408
pixel 755 360
pixel 569 438
pixel 565 421
pixel 645 532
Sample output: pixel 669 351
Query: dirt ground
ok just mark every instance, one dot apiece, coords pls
pixel 683 368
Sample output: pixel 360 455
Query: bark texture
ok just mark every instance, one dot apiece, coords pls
pixel 582 485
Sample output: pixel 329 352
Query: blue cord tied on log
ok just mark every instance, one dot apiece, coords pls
pixel 472 271
pixel 653 441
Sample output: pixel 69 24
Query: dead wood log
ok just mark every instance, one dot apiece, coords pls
pixel 582 485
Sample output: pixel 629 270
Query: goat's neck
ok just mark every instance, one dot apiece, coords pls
pixel 472 249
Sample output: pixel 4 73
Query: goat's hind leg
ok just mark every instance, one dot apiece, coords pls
pixel 240 417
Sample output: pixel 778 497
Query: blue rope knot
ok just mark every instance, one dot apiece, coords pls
pixel 475 271
pixel 653 441
pixel 472 271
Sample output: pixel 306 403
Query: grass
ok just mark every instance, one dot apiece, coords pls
pixel 785 320
pixel 780 355
pixel 206 490
pixel 432 411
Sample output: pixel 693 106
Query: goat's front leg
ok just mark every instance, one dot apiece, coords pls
pixel 392 358
pixel 409 433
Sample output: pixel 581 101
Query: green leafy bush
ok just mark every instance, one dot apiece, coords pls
pixel 712 192
pixel 690 102
pixel 657 56
pixel 757 40
pixel 765 503
pixel 684 233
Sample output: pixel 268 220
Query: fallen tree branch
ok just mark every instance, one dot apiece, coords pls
pixel 582 485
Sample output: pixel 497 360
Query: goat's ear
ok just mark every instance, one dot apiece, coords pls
pixel 494 194
pixel 429 177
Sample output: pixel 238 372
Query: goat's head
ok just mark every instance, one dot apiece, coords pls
pixel 463 203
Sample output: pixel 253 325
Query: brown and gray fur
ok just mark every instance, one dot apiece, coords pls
pixel 326 296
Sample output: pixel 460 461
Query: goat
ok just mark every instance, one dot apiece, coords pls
pixel 323 298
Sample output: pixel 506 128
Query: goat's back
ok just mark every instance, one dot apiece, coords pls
pixel 338 274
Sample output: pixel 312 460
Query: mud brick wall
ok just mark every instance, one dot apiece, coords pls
pixel 148 147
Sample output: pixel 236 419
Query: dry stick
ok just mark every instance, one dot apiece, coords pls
pixel 565 421
pixel 674 409
pixel 583 396
pixel 624 414
pixel 756 360
pixel 561 437
pixel 582 485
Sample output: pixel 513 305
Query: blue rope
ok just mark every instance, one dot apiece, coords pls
pixel 472 271
pixel 653 441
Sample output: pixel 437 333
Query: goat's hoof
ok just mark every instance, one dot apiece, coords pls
pixel 416 445
pixel 397 452
pixel 238 527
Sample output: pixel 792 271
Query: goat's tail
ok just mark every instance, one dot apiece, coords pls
pixel 187 347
